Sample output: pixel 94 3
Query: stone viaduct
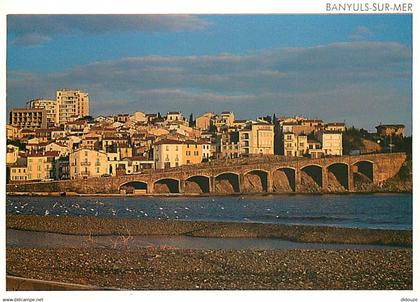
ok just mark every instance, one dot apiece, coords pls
pixel 235 176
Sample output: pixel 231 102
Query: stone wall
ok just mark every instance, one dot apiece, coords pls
pixel 266 176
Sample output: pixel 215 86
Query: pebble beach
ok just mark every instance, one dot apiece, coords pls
pixel 169 268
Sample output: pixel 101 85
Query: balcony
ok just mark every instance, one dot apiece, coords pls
pixel 85 163
pixel 85 173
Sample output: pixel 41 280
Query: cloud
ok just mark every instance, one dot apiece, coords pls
pixel 361 33
pixel 31 39
pixel 27 27
pixel 360 82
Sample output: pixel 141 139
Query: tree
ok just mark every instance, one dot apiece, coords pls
pixel 274 119
pixel 191 121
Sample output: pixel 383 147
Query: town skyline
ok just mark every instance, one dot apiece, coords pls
pixel 355 68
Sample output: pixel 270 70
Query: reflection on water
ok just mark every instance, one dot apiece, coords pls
pixel 16 238
pixel 380 211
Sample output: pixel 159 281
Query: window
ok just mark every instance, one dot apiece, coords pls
pixel 167 148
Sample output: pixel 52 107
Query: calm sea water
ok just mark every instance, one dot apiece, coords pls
pixel 376 211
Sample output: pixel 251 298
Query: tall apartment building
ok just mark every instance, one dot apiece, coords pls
pixel 51 106
pixel 28 118
pixel 72 104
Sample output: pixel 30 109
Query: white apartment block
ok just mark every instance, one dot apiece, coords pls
pixel 72 104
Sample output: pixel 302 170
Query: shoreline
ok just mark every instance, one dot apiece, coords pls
pixel 97 226
pixel 75 194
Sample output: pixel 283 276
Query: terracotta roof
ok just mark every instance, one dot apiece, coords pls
pixel 168 142
pixel 57 143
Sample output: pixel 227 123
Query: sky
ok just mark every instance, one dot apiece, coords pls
pixel 352 68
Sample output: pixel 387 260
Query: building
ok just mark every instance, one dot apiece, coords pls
pixel 12 153
pixel 28 118
pixel 12 132
pixel 332 142
pixel 227 144
pixel 295 144
pixel 136 164
pixel 207 152
pixel 175 116
pixel 168 153
pixel 60 148
pixel 390 130
pixel 315 149
pixel 257 138
pixel 41 165
pixel 18 171
pixel 227 118
pixel 203 122
pixel 51 106
pixel 192 152
pixel 72 104
pixel 335 127
pixel 86 163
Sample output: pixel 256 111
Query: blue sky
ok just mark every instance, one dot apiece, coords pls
pixel 355 68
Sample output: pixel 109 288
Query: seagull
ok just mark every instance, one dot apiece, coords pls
pixel 46 212
pixel 55 205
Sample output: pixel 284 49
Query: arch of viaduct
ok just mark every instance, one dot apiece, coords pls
pixel 375 168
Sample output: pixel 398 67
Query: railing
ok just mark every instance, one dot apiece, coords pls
pixel 85 163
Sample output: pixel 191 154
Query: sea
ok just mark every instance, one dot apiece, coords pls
pixel 365 211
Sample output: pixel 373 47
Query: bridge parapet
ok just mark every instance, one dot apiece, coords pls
pixel 297 172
